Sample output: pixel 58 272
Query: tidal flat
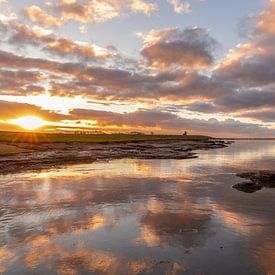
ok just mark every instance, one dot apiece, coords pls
pixel 138 215
pixel 45 155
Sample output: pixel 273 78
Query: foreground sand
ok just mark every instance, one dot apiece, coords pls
pixel 49 155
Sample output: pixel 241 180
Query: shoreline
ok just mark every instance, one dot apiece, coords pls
pixel 53 155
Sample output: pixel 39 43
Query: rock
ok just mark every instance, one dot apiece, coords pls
pixel 246 175
pixel 266 178
pixel 247 187
pixel 263 178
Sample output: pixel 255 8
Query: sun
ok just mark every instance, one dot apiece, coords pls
pixel 29 122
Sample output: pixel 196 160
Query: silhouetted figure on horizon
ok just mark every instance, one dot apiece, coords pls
pixel 185 133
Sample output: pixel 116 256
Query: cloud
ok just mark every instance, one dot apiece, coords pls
pixel 191 48
pixel 225 128
pixel 168 122
pixel 95 11
pixel 175 65
pixel 202 107
pixel 248 99
pixel 65 47
pixel 6 13
pixel 246 76
pixel 248 103
pixel 115 84
pixel 252 64
pixel 142 118
pixel 108 83
pixel 180 6
pixel 39 16
pixel 265 115
pixel 10 110
pixel 142 6
pixel 22 34
pixel 92 12
pixel 157 120
pixel 73 79
pixel 11 60
pixel 20 82
pixel 266 23
pixel 255 68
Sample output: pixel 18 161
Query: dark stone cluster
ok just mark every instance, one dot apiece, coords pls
pixel 257 180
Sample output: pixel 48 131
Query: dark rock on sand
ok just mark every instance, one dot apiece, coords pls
pixel 247 187
pixel 264 178
pixel 258 180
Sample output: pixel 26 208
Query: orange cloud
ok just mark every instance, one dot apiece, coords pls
pixel 252 64
pixel 12 110
pixel 37 15
pixel 65 47
pixel 24 34
pixel 180 6
pixel 266 20
pixel 88 12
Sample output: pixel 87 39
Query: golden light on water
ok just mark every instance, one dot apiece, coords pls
pixel 29 122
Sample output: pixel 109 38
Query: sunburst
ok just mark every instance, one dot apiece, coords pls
pixel 29 122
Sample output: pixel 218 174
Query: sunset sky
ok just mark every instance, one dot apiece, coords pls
pixel 205 66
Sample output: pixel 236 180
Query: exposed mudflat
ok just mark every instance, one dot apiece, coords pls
pixel 49 155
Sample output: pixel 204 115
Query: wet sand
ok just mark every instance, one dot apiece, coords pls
pixel 49 155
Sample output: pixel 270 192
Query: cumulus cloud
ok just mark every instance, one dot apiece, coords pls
pixel 11 60
pixel 25 35
pixel 142 6
pixel 22 35
pixel 249 103
pixel 248 99
pixel 246 75
pixel 191 48
pixel 265 21
pixel 20 82
pixel 93 11
pixel 66 47
pixel 114 84
pixel 117 84
pixel 201 106
pixel 39 16
pixel 181 6
pixel 252 63
pixel 6 12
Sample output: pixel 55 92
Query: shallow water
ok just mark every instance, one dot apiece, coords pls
pixel 141 216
